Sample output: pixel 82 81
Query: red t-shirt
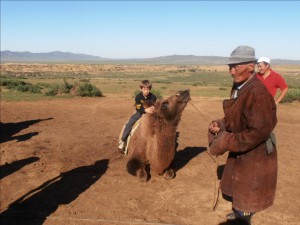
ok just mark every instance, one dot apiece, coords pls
pixel 273 82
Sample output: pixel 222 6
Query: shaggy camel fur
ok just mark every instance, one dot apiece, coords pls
pixel 153 143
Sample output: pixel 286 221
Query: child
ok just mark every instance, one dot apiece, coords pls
pixel 144 95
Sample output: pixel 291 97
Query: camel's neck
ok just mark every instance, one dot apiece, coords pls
pixel 157 125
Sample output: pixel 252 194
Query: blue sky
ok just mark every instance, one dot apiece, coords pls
pixel 142 29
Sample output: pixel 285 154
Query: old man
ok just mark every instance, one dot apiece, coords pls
pixel 250 174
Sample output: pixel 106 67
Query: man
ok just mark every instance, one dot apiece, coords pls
pixel 250 173
pixel 271 79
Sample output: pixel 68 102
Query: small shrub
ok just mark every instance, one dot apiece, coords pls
pixel 12 84
pixel 52 90
pixel 56 89
pixel 65 87
pixel 34 88
pixel 222 89
pixel 88 90
pixel 21 86
pixel 157 93
pixel 292 95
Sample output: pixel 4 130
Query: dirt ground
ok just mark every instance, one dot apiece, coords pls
pixel 60 165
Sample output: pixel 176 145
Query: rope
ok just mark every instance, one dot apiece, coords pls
pixel 196 109
pixel 217 187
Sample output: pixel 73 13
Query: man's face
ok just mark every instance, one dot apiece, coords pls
pixel 240 72
pixel 262 67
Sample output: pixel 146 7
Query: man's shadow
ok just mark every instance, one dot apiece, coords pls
pixel 34 207
pixel 234 222
pixel 7 130
pixel 10 168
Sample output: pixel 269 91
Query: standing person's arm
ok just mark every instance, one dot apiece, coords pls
pixel 261 121
pixel 281 96
pixel 283 88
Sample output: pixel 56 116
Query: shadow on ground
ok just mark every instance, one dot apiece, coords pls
pixel 182 157
pixel 10 168
pixel 234 222
pixel 34 207
pixel 8 130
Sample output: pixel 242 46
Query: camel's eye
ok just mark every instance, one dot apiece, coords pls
pixel 165 105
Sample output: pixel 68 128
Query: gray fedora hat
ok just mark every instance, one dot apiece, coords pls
pixel 242 54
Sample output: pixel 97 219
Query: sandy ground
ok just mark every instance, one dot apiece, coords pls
pixel 60 165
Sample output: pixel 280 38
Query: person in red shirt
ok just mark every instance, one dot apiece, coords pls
pixel 272 80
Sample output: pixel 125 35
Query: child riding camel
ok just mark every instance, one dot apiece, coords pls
pixel 144 96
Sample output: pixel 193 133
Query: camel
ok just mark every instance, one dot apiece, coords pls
pixel 153 144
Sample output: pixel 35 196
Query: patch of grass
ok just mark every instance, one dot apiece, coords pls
pixel 58 89
pixel 211 91
pixel 54 89
pixel 204 81
pixel 21 86
pixel 292 95
pixel 12 95
pixel 199 84
pixel 162 82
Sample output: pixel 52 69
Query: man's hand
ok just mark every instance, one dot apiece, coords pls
pixel 214 127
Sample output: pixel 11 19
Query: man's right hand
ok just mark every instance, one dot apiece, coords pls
pixel 214 127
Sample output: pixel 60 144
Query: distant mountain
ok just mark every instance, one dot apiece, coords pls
pixel 67 57
pixel 185 59
pixel 57 56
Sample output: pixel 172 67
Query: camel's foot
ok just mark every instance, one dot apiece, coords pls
pixel 142 175
pixel 169 174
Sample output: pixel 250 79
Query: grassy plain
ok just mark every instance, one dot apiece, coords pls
pixel 123 80
pixel 55 144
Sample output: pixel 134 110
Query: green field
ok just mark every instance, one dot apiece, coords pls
pixel 205 83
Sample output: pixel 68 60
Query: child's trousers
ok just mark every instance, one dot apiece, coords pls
pixel 135 117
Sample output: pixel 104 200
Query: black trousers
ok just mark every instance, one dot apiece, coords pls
pixel 135 117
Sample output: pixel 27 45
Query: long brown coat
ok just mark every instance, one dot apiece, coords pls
pixel 250 174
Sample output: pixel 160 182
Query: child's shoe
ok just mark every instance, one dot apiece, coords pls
pixel 121 146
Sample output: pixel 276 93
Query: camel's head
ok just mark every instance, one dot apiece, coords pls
pixel 171 108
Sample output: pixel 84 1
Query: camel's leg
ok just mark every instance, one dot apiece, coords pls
pixel 142 175
pixel 136 168
pixel 169 174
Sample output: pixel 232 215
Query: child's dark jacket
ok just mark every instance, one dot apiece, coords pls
pixel 140 99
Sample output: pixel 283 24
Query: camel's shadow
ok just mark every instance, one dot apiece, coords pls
pixel 182 157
